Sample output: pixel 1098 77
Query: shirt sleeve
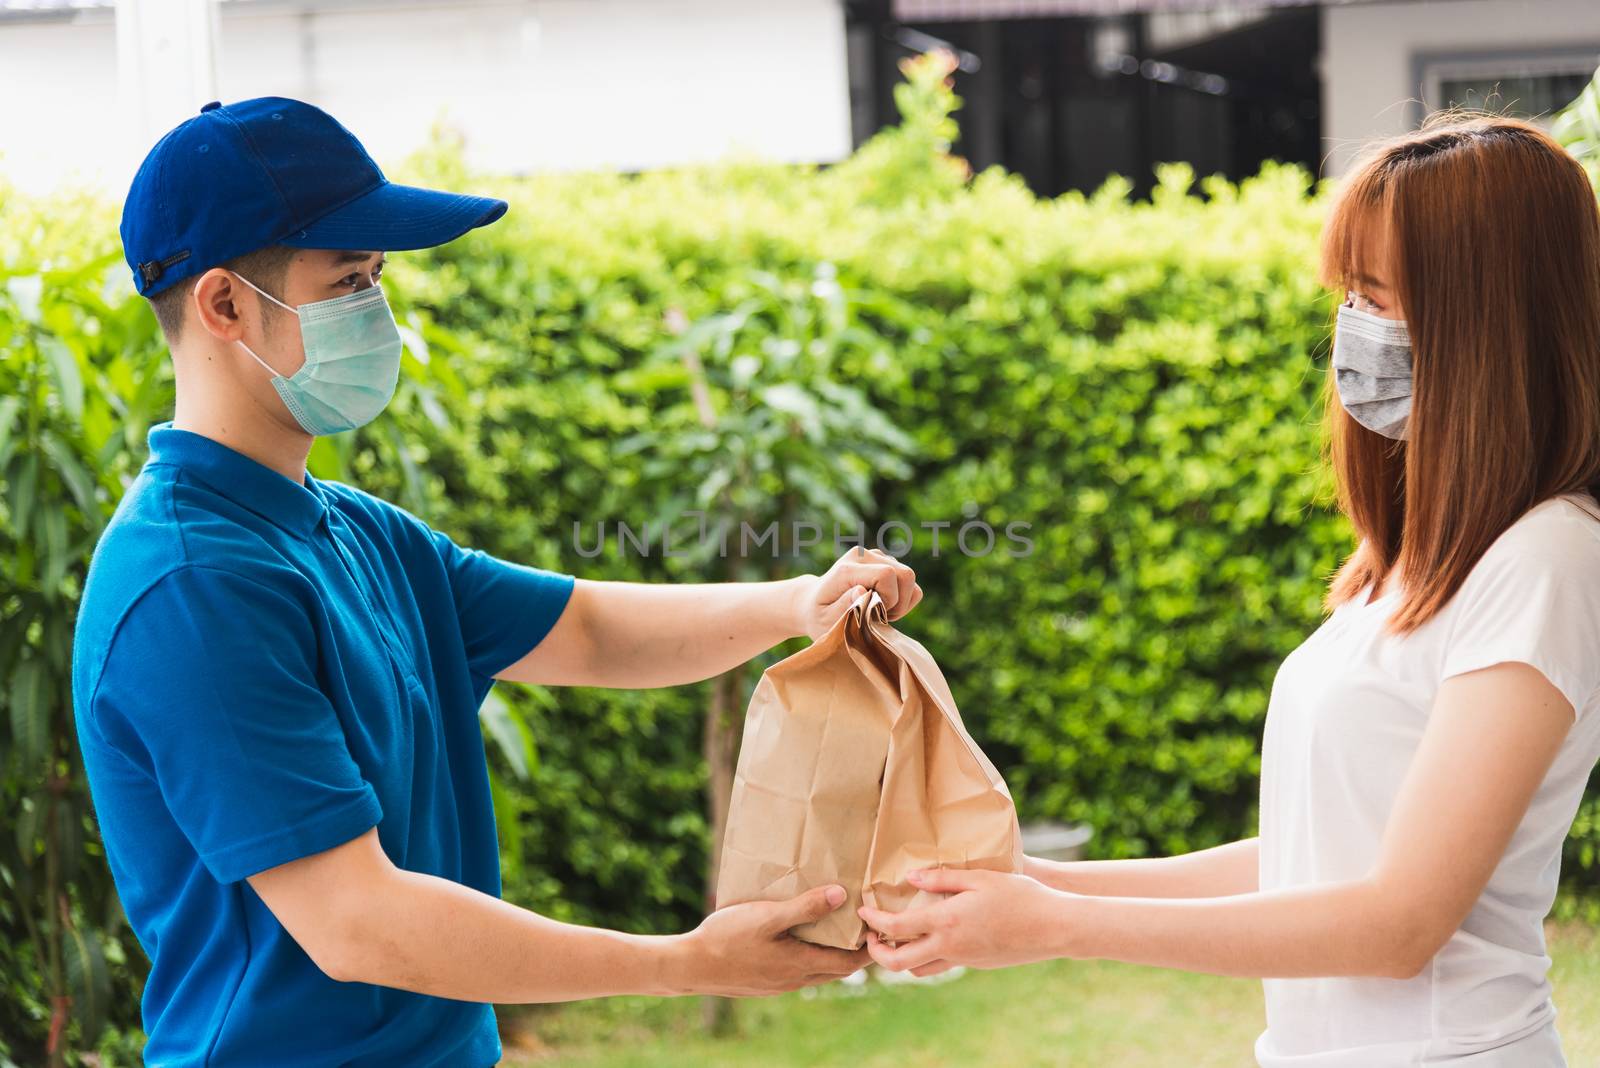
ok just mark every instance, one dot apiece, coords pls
pixel 211 684
pixel 1534 598
pixel 505 609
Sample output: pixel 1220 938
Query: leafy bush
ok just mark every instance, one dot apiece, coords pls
pixel 79 379
pixel 1138 384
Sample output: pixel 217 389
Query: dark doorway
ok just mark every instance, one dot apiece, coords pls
pixel 1066 102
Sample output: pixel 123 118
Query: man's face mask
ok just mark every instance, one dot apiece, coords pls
pixel 1372 370
pixel 352 363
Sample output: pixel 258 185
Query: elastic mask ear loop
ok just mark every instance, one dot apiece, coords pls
pixel 269 296
pixel 279 303
pixel 259 360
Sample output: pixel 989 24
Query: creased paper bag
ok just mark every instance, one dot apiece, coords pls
pixel 855 768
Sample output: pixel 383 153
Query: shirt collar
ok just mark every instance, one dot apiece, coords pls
pixel 297 508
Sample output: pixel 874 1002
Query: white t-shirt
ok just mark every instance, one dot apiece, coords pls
pixel 1347 712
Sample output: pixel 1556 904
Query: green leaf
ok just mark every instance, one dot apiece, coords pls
pixel 30 711
pixel 28 827
pixel 69 840
pixel 1577 126
pixel 415 495
pixel 78 481
pixel 69 377
pixel 9 407
pixel 52 531
pixel 328 458
pixel 793 399
pixel 22 494
pixel 714 484
pixel 510 733
pixel 25 292
pixel 652 378
pixel 56 641
pixel 88 981
pixel 504 799
pixel 414 344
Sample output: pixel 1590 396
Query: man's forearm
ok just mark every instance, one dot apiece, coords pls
pixel 642 635
pixel 434 936
pixel 636 635
pixel 361 919
pixel 1217 872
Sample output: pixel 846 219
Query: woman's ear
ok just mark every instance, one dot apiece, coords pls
pixel 215 305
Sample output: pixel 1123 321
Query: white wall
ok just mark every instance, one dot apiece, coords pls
pixel 58 102
pixel 1369 53
pixel 531 84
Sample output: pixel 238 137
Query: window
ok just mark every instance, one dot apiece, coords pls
pixel 1529 84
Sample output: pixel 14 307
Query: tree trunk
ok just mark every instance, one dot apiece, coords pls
pixel 720 746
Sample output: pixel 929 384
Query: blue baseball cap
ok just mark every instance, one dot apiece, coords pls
pixel 274 171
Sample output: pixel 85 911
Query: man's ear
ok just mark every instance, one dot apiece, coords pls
pixel 216 305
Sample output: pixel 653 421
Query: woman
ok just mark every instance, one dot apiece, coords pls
pixel 1427 746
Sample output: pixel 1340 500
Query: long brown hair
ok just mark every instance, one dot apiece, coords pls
pixel 1495 237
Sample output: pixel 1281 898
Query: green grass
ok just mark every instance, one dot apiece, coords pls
pixel 1061 1014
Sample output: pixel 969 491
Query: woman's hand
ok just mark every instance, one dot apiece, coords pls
pixel 992 920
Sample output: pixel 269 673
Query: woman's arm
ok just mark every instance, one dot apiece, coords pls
pixel 1491 737
pixel 1216 872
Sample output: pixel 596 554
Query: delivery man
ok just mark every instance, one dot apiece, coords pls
pixel 277 679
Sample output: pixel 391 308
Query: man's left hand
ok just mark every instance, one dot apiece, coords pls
pixel 824 598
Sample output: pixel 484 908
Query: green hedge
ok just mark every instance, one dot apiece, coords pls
pixel 1139 383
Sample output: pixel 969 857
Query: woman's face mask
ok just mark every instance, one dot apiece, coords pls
pixel 352 366
pixel 1372 370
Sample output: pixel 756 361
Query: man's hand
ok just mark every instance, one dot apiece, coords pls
pixel 824 598
pixel 992 920
pixel 747 951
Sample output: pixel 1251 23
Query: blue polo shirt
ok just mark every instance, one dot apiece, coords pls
pixel 264 670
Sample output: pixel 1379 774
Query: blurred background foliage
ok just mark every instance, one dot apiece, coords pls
pixel 890 338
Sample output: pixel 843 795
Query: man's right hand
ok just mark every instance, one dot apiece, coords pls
pixel 746 950
pixel 361 919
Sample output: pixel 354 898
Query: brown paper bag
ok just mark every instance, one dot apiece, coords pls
pixel 855 769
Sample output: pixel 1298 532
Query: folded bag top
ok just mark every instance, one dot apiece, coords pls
pixel 855 768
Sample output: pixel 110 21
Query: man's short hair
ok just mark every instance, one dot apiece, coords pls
pixel 266 267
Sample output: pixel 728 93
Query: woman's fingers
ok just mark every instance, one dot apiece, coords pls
pixel 949 880
pixel 897 926
pixel 915 954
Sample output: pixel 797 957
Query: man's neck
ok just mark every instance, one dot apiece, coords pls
pixel 243 425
